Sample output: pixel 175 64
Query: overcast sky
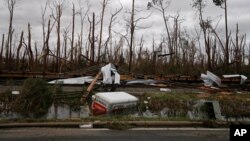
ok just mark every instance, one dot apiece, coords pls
pixel 30 11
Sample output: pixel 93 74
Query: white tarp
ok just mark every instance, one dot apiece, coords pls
pixel 243 78
pixel 210 78
pixel 72 81
pixel 107 77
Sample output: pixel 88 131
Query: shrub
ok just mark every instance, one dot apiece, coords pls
pixel 35 98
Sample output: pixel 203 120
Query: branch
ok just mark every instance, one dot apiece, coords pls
pixel 124 36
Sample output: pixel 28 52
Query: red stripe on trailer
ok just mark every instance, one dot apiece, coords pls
pixel 98 109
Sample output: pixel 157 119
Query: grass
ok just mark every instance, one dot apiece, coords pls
pixel 233 104
pixel 172 95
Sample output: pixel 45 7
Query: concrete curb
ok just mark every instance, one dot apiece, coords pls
pixel 42 125
pixel 125 124
pixel 107 124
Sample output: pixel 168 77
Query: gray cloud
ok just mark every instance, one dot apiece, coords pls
pixel 30 11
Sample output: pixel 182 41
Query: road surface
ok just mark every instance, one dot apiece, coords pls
pixel 167 134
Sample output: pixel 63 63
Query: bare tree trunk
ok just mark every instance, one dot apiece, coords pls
pixel 175 42
pixel 165 18
pixel 43 24
pixel 208 51
pixel 227 37
pixel 1 53
pixel 58 49
pixel 243 60
pixel 92 55
pixel 88 50
pixel 11 5
pixel 110 32
pixel 140 53
pixel 248 54
pixel 36 59
pixel 75 53
pixel 18 51
pixel 46 49
pixel 31 56
pixel 82 18
pixel 10 60
pixel 73 33
pixel 213 62
pixel 204 26
pixel 65 38
pixel 132 29
pixel 79 51
pixel 238 51
pixel 153 56
pixel 81 35
pixel 23 67
pixel 104 4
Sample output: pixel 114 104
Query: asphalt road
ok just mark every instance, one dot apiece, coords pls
pixel 53 134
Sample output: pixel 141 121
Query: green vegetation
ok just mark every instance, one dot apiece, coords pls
pixel 35 98
pixel 6 96
pixel 5 100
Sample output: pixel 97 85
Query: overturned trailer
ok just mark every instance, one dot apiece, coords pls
pixel 112 102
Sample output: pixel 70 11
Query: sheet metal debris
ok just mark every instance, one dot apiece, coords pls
pixel 73 81
pixel 243 78
pixel 141 81
pixel 210 79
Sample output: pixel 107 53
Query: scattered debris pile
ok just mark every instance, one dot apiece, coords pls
pixel 210 79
